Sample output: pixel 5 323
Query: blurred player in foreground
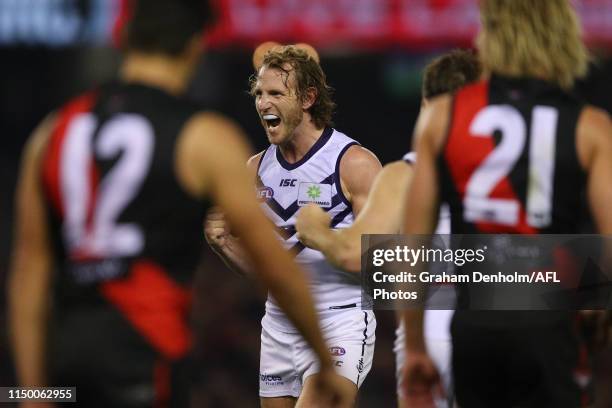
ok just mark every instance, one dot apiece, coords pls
pixel 307 162
pixel 384 211
pixel 111 197
pixel 510 155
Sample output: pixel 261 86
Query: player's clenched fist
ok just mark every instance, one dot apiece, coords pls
pixel 332 391
pixel 216 228
pixel 311 221
pixel 420 380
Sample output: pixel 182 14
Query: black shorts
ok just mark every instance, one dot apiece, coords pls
pixel 518 367
pixel 111 365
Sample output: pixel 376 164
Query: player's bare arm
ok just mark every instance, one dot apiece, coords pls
pixel 381 214
pixel 422 208
pixel 421 212
pixel 219 235
pixel 30 275
pixel 358 169
pixel 594 146
pixel 214 168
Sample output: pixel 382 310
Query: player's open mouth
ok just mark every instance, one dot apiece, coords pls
pixel 272 121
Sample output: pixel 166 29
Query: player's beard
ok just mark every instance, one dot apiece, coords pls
pixel 287 127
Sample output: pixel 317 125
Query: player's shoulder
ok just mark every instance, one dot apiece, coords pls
pixel 79 103
pixel 337 135
pixel 358 168
pixel 39 138
pixel 350 147
pixel 440 102
pixel 207 142
pixel 398 167
pixel 435 113
pixel 434 121
pixel 592 134
pixel 594 117
pixel 394 174
pixel 254 160
pixel 208 133
pixel 594 124
pixel 357 156
pixel 211 127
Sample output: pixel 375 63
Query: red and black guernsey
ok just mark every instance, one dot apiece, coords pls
pixel 509 164
pixel 127 236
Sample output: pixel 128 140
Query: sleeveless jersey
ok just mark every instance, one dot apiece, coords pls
pixel 284 188
pixel 127 236
pixel 510 164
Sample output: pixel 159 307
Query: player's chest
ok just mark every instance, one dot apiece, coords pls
pixel 298 188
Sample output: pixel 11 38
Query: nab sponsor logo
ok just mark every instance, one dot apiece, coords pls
pixel 287 183
pixel 265 193
pixel 360 366
pixel 337 351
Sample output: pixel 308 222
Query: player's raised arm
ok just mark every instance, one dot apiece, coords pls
pixel 215 147
pixel 30 274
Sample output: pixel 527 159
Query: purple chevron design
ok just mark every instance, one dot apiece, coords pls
pixel 286 213
pixel 297 248
pixel 286 232
pixel 340 216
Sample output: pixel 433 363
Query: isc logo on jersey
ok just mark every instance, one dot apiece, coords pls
pixel 287 183
pixel 315 193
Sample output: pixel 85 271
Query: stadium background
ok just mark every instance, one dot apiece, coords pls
pixel 372 52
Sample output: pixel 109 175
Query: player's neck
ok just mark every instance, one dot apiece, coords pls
pixel 304 137
pixel 168 74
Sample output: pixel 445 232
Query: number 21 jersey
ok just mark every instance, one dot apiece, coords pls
pixel 509 164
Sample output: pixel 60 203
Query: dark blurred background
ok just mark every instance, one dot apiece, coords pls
pixel 372 52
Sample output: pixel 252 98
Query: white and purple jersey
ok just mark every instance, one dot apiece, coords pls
pixel 284 188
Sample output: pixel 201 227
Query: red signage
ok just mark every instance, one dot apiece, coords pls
pixel 366 24
pixel 350 24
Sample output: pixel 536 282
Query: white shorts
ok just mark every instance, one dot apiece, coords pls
pixel 438 347
pixel 286 360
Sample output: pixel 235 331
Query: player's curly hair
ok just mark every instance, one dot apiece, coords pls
pixel 527 38
pixel 308 75
pixel 449 72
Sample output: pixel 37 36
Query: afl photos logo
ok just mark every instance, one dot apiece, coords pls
pixel 265 193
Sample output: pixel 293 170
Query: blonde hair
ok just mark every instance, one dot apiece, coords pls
pixel 308 74
pixel 532 38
